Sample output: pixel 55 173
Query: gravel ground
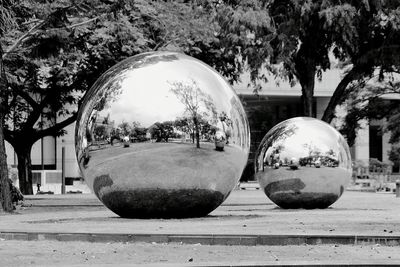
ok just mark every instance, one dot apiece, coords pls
pixel 53 253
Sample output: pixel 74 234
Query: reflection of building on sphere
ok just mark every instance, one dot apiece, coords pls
pixel 303 163
pixel 220 140
pixel 154 118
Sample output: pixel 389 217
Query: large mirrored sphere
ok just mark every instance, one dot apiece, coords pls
pixel 146 138
pixel 303 163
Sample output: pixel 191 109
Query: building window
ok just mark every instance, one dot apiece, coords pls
pixel 70 180
pixel 36 178
pixel 45 167
pixel 396 167
pixel 375 142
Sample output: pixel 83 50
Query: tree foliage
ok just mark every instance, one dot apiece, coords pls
pixel 198 104
pixel 162 131
pixel 59 48
pixel 295 41
pixel 368 103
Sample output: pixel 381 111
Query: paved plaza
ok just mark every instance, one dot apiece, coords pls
pixel 247 229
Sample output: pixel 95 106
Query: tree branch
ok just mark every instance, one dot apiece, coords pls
pixel 27 98
pixel 340 94
pixel 53 130
pixel 165 44
pixel 37 111
pixel 82 23
pixel 37 26
pixel 22 38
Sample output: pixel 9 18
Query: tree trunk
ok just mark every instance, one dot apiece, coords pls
pixel 25 169
pixel 340 94
pixel 305 73
pixel 307 98
pixel 5 193
pixel 196 127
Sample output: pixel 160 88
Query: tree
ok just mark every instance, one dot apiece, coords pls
pixel 100 131
pixel 6 21
pixel 140 133
pixel 366 103
pixel 185 124
pixel 59 49
pixel 374 49
pixel 207 130
pixel 39 64
pixel 5 193
pixel 135 124
pixel 293 40
pixel 197 103
pixel 162 130
pixel 125 128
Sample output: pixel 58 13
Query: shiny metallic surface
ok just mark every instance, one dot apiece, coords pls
pixel 220 140
pixel 303 163
pixel 146 137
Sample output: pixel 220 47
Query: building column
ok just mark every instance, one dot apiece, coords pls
pixel 68 141
pixel 386 146
pixel 361 144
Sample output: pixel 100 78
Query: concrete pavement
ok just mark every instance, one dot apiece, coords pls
pixel 360 229
pixel 247 217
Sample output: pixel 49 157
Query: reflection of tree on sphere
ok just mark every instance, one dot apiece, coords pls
pixel 164 103
pixel 197 103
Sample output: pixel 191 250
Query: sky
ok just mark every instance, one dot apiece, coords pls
pixel 313 133
pixel 146 95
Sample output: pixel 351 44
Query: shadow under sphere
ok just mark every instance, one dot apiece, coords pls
pixel 303 163
pixel 145 137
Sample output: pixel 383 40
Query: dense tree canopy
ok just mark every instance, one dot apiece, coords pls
pixel 369 102
pixel 298 40
pixel 162 131
pixel 59 48
pixel 295 40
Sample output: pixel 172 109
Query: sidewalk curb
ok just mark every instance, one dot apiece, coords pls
pixel 250 264
pixel 233 240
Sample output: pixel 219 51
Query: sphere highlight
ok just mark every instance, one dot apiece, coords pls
pixel 303 163
pixel 146 137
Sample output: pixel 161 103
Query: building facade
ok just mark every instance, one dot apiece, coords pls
pixel 273 104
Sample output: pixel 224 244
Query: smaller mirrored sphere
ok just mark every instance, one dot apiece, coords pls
pixel 220 140
pixel 161 135
pixel 303 163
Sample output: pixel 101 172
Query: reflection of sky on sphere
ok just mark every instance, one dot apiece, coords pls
pixel 308 138
pixel 146 92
